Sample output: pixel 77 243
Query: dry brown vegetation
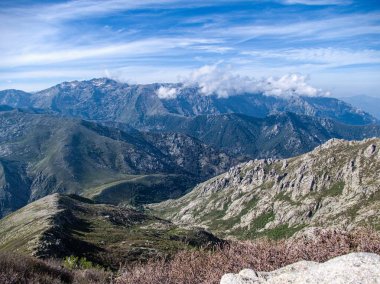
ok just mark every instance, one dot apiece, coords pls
pixel 197 266
pixel 262 255
pixel 15 268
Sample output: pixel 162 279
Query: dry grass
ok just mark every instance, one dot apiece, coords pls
pixel 22 269
pixel 262 255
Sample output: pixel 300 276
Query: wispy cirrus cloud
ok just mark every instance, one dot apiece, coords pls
pixel 116 50
pixel 317 2
pixel 322 29
pixel 156 40
pixel 324 57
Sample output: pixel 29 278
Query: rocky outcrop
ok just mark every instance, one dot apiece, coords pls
pixel 336 185
pixel 361 268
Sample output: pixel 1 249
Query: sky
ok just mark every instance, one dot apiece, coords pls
pixel 334 45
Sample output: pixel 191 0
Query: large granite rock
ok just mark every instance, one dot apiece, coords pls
pixel 363 268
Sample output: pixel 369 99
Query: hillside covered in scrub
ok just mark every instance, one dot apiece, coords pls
pixel 57 226
pixel 195 266
pixel 335 185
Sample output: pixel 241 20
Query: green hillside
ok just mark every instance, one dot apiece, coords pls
pixel 61 225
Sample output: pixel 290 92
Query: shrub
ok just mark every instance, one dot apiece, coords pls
pixel 74 262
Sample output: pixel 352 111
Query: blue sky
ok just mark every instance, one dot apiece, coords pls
pixel 335 43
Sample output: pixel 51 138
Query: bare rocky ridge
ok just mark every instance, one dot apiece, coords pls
pixel 335 185
pixel 361 268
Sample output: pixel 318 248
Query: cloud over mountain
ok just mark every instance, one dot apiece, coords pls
pixel 167 93
pixel 221 81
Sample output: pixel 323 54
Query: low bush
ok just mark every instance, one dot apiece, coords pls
pixel 74 262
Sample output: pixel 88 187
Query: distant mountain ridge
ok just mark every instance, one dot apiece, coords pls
pixel 42 154
pixel 107 100
pixel 279 135
pixel 366 103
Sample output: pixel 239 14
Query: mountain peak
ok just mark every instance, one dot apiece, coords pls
pixel 104 81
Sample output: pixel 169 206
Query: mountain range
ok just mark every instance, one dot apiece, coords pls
pixel 42 154
pixel 280 135
pixel 107 100
pixel 120 173
pixel 122 144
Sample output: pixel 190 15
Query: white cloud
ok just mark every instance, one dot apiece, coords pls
pixel 289 85
pixel 216 80
pixel 145 47
pixel 213 79
pixel 167 93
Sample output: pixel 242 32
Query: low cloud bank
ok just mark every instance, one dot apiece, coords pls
pixel 215 80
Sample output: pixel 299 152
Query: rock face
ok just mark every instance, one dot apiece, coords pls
pixel 335 185
pixel 352 268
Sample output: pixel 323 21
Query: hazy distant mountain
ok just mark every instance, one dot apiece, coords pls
pixel 107 100
pixel 42 154
pixel 366 103
pixel 15 98
pixel 280 135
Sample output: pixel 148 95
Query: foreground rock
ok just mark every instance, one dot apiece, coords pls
pixel 363 268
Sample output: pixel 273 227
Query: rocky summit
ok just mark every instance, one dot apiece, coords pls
pixel 335 185
pixel 361 268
